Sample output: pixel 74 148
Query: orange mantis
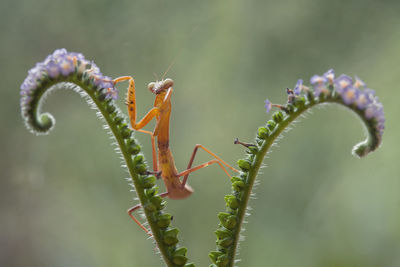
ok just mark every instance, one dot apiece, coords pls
pixel 165 165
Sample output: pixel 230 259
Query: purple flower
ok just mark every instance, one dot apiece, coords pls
pixel 97 80
pixel 66 66
pixel 375 110
pixel 30 81
pixel 59 53
pixel 381 121
pixel 299 87
pixel 62 62
pixel 317 80
pixel 94 69
pixel 358 83
pixel 112 93
pixel 319 84
pixel 350 95
pixel 370 92
pixel 268 105
pixel 48 59
pixel 36 72
pixel 330 76
pixel 369 112
pixel 78 56
pixel 82 64
pixel 342 83
pixel 106 82
pixel 363 99
pixel 27 85
pixel 52 69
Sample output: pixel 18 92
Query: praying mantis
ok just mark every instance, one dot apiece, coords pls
pixel 164 164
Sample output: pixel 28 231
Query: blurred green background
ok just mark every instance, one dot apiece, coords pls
pixel 63 196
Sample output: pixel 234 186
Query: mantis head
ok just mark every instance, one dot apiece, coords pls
pixel 160 86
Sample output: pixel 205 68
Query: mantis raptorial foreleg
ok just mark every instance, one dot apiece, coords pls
pixel 131 102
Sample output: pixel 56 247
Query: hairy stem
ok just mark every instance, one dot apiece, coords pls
pixel 82 80
pixel 228 233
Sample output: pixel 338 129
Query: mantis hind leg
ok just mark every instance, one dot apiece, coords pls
pixel 130 211
pixel 134 208
pixel 216 159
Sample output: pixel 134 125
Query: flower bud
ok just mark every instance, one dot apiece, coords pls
pixel 244 164
pixel 151 192
pixel 214 255
pixel 271 124
pixel 141 168
pixel 158 202
pixel 164 220
pixel 277 116
pixel 231 201
pixel 223 233
pixel 118 120
pixel 226 242
pixel 133 148
pixel 253 149
pixel 148 181
pixel 238 186
pixel 227 220
pixel 150 206
pixel 179 256
pixel 235 179
pixel 263 133
pixel 102 95
pixel 138 159
pixel 126 132
pixel 300 101
pixel 289 108
pixel 110 108
pixel 222 260
pixel 170 236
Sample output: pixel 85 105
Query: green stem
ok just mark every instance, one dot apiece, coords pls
pixel 139 189
pixel 227 231
pixel 256 164
pixel 164 236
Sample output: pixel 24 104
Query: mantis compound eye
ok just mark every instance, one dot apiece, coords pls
pixel 151 86
pixel 166 84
